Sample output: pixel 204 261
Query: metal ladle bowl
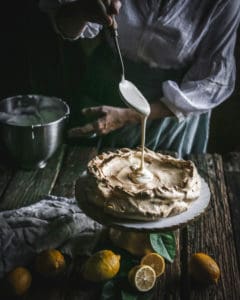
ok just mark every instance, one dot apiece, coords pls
pixel 129 93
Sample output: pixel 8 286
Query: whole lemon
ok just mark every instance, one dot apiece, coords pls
pixel 203 268
pixel 50 263
pixel 101 266
pixel 19 280
pixel 136 243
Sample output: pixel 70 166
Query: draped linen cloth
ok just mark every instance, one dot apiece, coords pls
pixel 53 222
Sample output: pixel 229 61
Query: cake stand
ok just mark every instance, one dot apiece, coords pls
pixel 196 209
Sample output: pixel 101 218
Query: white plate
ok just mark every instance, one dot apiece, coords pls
pixel 196 208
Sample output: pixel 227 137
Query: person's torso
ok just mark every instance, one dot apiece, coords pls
pixel 165 33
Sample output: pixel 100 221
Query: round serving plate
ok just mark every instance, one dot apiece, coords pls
pixel 196 209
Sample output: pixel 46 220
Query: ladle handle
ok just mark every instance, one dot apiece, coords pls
pixel 114 24
pixel 114 30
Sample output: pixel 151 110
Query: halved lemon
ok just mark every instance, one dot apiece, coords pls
pixel 156 261
pixel 142 277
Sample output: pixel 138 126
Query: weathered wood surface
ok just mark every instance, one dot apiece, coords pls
pixel 74 164
pixel 6 172
pixel 215 233
pixel 168 285
pixel 26 187
pixel 232 176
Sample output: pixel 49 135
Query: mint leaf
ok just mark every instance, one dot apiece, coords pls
pixel 164 244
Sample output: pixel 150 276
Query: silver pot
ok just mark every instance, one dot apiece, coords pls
pixel 32 128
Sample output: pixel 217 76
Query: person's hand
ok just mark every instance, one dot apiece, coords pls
pixel 99 11
pixel 108 118
pixel 71 17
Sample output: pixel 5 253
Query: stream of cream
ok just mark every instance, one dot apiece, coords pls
pixel 143 137
pixel 134 98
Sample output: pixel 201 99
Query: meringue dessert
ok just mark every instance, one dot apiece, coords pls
pixel 165 187
pixel 141 184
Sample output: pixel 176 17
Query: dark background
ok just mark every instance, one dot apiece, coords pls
pixel 32 61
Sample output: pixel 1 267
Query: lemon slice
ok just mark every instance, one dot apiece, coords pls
pixel 142 277
pixel 155 261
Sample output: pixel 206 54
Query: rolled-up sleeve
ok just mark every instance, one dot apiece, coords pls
pixel 50 7
pixel 211 78
pixel 90 30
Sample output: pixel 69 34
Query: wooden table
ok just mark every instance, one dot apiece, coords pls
pixel 217 232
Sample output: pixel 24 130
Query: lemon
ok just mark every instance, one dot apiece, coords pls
pixel 156 261
pixel 203 268
pixel 101 266
pixel 142 277
pixel 19 280
pixel 50 263
pixel 136 243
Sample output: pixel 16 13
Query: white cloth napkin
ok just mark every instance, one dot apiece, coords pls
pixel 54 222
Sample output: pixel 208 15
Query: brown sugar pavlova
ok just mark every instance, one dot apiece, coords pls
pixel 175 183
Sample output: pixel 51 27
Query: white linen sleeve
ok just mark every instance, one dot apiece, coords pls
pixel 50 7
pixel 211 78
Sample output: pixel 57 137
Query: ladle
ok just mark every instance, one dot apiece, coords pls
pixel 129 93
pixel 134 99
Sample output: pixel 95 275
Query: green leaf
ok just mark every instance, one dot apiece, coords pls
pixel 164 244
pixel 109 291
pixel 127 262
pixel 127 296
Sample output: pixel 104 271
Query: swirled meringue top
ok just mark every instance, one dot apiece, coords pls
pixel 170 188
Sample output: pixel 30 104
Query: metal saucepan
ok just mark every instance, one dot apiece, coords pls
pixel 32 127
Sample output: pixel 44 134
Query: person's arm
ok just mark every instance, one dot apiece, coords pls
pixel 211 79
pixel 80 18
pixel 69 20
pixel 109 118
pixel 159 110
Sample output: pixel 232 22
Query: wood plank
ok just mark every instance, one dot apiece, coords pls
pixel 45 292
pixel 231 164
pixel 26 187
pixel 168 285
pixel 212 234
pixel 74 164
pixel 6 172
pixel 78 289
